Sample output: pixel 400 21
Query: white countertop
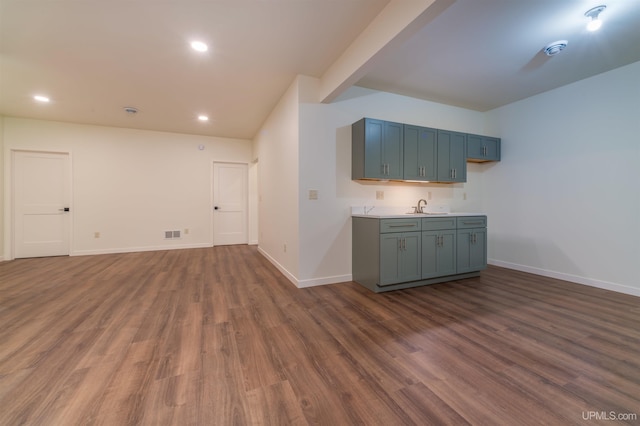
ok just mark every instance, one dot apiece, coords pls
pixel 399 212
pixel 410 215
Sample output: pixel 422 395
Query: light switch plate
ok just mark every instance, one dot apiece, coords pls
pixel 313 194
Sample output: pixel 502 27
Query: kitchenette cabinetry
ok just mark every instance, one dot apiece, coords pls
pixel 396 253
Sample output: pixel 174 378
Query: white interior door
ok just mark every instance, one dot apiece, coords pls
pixel 229 203
pixel 42 194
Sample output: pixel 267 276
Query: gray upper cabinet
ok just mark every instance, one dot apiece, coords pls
pixel 385 150
pixel 377 149
pixel 452 149
pixel 420 153
pixel 482 148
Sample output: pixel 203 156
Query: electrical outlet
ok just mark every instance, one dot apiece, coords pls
pixel 96 235
pixel 464 195
pixel 186 231
pixel 284 247
pixel 313 194
pixel 429 195
pixel 379 195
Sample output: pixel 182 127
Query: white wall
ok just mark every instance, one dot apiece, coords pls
pixel 565 201
pixel 276 148
pixel 129 185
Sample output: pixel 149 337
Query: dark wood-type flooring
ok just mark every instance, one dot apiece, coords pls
pixel 218 337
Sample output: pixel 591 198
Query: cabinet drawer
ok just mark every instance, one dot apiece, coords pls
pixel 399 225
pixel 472 222
pixel 437 223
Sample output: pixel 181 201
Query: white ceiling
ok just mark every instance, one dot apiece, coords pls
pixel 94 57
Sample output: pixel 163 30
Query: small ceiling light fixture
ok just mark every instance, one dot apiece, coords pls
pixel 131 110
pixel 594 14
pixel 199 46
pixel 203 118
pixel 41 98
pixel 554 48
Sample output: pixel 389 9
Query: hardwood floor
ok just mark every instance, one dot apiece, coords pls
pixel 219 337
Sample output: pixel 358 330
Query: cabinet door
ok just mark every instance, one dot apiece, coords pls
pixel 438 253
pixel 373 149
pixel 458 156
pixel 390 272
pixel 475 147
pixel 400 257
pixel 471 249
pixel 492 149
pixel 411 256
pixel 452 156
pixel 419 153
pixel 392 150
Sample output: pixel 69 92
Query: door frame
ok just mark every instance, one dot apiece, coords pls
pixel 212 201
pixel 10 219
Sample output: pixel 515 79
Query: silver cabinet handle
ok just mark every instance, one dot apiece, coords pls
pixel 408 225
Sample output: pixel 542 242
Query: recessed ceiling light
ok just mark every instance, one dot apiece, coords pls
pixel 594 14
pixel 199 46
pixel 203 118
pixel 41 98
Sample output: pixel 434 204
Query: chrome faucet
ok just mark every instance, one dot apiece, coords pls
pixel 419 207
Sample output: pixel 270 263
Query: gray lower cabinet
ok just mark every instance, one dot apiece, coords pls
pixel 391 254
pixel 400 257
pixel 438 253
pixel 472 244
pixel 438 247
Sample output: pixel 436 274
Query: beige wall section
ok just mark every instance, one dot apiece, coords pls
pixel 276 148
pixel 131 185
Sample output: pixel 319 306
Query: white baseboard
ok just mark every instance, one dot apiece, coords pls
pixel 324 281
pixel 278 266
pixel 620 288
pixel 137 249
pixel 304 283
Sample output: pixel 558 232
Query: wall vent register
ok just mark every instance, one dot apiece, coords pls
pixel 171 235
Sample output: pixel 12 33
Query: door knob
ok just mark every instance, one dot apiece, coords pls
pixel 216 208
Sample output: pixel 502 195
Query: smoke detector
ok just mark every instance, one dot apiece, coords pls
pixel 131 110
pixel 554 48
